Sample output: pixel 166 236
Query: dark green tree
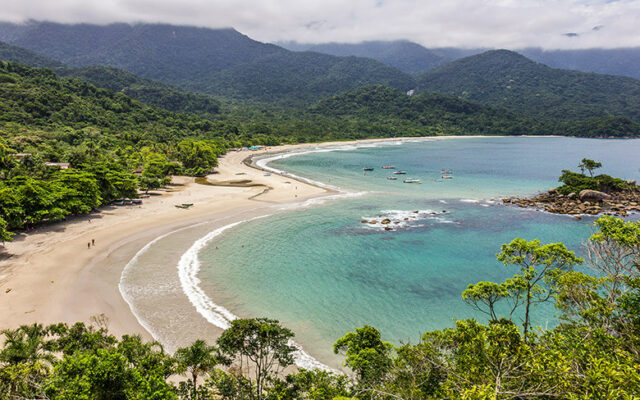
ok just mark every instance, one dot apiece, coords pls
pixel 260 345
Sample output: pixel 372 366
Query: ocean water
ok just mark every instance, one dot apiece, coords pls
pixel 322 272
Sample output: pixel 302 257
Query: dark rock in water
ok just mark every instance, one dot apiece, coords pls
pixel 385 221
pixel 416 211
pixel 577 217
pixel 406 219
pixel 388 228
pixel 364 221
pixel 593 195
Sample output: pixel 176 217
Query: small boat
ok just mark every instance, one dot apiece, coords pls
pixel 388 167
pixel 447 177
pixel 367 169
pixel 412 181
pixel 392 178
pixel 184 206
pixel 400 172
pixel 445 171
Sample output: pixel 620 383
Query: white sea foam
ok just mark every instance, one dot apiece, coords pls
pixel 400 219
pixel 125 291
pixel 188 269
pixel 469 201
pixel 189 263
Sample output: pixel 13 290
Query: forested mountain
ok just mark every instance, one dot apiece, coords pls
pixel 431 113
pixel 26 57
pixel 507 79
pixel 404 55
pixel 414 58
pixel 622 61
pixel 147 91
pixel 215 61
pixel 299 78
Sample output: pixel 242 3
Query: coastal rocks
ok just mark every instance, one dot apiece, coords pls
pixel 593 195
pixel 393 220
pixel 587 202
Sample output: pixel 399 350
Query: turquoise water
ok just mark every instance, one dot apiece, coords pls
pixel 323 272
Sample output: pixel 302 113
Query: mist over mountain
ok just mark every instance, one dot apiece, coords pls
pixel 214 61
pixel 402 54
pixel 414 58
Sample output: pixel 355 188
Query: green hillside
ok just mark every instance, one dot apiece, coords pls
pixel 146 91
pixel 26 57
pixel 506 79
pixel 213 61
pixel 404 55
pixel 431 113
pixel 300 78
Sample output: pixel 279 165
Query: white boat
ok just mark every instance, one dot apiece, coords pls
pixel 412 181
pixel 400 172
pixel 392 178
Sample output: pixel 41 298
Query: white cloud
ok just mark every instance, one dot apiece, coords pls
pixel 462 23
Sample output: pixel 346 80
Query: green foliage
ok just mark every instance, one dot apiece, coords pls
pixel 366 354
pixel 574 182
pixel 198 359
pixel 592 353
pixel 540 266
pixel 589 165
pixel 260 344
pixel 26 57
pixel 506 79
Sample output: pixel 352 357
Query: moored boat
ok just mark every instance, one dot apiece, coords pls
pixel 412 181
pixel 367 169
pixel 400 172
pixel 388 167
pixel 392 178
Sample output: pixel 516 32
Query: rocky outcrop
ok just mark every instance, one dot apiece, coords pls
pixel 589 202
pixel 593 195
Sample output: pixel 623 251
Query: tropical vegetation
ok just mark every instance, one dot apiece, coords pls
pixel 592 352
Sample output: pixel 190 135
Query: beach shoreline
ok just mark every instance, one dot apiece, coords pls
pixel 52 274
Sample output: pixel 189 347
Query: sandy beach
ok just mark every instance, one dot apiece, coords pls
pixel 51 275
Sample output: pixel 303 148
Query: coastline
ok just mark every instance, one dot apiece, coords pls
pixel 49 275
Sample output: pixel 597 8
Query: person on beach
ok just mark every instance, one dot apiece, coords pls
pixel 93 242
pixel 88 245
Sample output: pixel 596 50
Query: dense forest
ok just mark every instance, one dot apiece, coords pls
pixel 592 353
pixel 506 79
pixel 106 136
pixel 212 61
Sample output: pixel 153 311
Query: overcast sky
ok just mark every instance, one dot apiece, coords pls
pixel 432 23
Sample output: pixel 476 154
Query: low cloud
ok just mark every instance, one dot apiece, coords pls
pixel 460 23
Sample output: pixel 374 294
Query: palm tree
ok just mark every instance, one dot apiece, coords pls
pixel 198 359
pixel 26 349
pixel 26 344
